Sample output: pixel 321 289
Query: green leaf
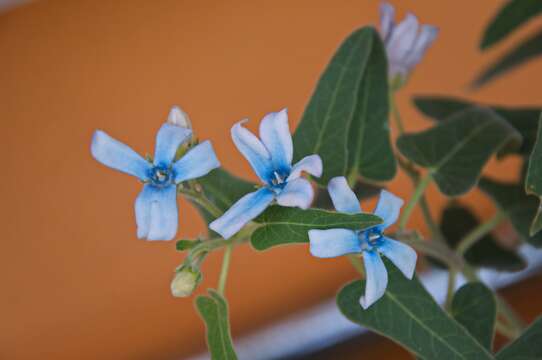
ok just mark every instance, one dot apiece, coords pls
pixel 457 221
pixel 457 148
pixel 362 190
pixel 369 145
pixel 523 119
pixel 223 189
pixel 527 347
pixel 510 17
pixel 527 50
pixel 533 181
pixel 286 225
pixel 348 112
pixel 517 205
pixel 183 245
pixel 474 306
pixel 213 309
pixel 408 315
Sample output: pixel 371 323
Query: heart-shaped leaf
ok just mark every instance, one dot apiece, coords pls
pixel 345 121
pixel 286 225
pixel 408 315
pixel 518 206
pixel 533 180
pixel 474 306
pixel 527 347
pixel 457 148
pixel 214 312
pixel 523 119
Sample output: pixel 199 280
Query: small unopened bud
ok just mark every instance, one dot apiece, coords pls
pixel 179 118
pixel 185 282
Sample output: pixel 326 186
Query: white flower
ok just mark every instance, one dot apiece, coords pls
pixel 406 42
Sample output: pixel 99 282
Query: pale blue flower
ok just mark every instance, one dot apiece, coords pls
pixel 406 42
pixel 156 206
pixel 271 158
pixel 371 243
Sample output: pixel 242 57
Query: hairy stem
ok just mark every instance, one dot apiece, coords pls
pixel 199 198
pixel 225 268
pixel 479 232
pixel 418 193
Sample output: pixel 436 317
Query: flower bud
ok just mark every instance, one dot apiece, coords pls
pixel 185 282
pixel 178 117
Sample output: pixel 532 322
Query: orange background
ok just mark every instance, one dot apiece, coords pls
pixel 76 281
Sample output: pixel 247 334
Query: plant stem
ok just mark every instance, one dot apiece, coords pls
pixel 418 193
pixel 199 198
pixel 452 275
pixel 396 114
pixel 512 318
pixel 479 232
pixel 435 249
pixel 356 263
pixel 225 268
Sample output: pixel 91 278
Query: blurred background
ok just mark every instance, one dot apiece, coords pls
pixel 77 284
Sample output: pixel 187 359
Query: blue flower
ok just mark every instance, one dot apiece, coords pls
pixel 371 243
pixel 406 42
pixel 156 206
pixel 271 159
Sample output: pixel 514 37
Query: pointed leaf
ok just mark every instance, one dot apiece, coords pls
pixel 523 119
pixel 283 225
pixel 527 347
pixel 408 315
pixel 525 51
pixel 369 145
pixel 510 17
pixel 517 205
pixel 351 95
pixel 457 221
pixel 214 311
pixel 457 148
pixel 474 306
pixel 533 181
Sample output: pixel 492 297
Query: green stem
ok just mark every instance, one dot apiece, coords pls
pixel 452 275
pixel 512 318
pixel 199 198
pixel 418 193
pixel 225 268
pixel 432 248
pixel 505 330
pixel 479 232
pixel 356 263
pixel 396 114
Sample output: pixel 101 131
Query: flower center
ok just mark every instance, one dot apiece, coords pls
pixel 161 176
pixel 369 238
pixel 278 180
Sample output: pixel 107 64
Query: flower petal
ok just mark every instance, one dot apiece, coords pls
pixel 311 164
pixel 168 140
pixel 333 242
pixel 402 255
pixel 387 14
pixel 156 213
pixel 275 135
pixel 342 196
pixel 402 40
pixel 425 38
pixel 297 193
pixel 253 150
pixel 240 213
pixel 195 163
pixel 376 278
pixel 117 155
pixel 388 208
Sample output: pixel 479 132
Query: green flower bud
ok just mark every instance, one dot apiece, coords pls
pixel 185 282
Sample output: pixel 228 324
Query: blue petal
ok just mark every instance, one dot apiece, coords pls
pixel 116 155
pixel 333 242
pixel 244 210
pixel 388 208
pixel 254 151
pixel 168 140
pixel 197 162
pixel 387 14
pixel 403 256
pixel 311 164
pixel 342 196
pixel 425 38
pixel 297 193
pixel 275 135
pixel 156 213
pixel 402 39
pixel 376 279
